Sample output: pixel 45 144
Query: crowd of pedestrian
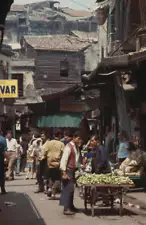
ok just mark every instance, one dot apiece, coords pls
pixel 53 162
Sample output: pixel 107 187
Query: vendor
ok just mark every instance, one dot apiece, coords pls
pixel 134 162
pixel 99 158
pixel 68 165
pixel 87 158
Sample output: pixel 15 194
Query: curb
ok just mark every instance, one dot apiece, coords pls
pixel 133 202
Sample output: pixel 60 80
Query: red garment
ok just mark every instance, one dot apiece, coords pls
pixel 72 158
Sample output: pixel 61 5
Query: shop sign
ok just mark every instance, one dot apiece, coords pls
pixel 8 88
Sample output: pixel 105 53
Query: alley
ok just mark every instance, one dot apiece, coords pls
pixel 33 209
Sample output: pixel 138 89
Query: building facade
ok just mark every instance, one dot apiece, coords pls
pixel 45 18
pixel 59 60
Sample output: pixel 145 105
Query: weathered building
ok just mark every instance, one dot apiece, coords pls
pixel 59 60
pixel 52 66
pixel 6 105
pixel 16 23
pixel 23 70
pixel 123 62
pixel 45 18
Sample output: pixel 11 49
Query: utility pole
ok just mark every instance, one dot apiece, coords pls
pixel 117 20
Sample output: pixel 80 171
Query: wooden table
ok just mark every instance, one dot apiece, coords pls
pixel 95 193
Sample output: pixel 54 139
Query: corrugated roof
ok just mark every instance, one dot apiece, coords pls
pixel 55 92
pixel 17 8
pixel 23 63
pixel 57 43
pixel 38 18
pixel 90 36
pixel 76 13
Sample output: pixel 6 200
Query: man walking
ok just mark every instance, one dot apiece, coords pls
pixel 69 164
pixel 12 155
pixel 53 150
pixel 41 165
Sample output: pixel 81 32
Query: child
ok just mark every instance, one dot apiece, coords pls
pixel 19 153
pixel 30 162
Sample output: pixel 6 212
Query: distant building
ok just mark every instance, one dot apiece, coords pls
pixel 45 18
pixel 59 60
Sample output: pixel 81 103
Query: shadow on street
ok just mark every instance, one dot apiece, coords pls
pixel 22 212
pixel 108 212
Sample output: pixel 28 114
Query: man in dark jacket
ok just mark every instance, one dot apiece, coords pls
pixel 100 162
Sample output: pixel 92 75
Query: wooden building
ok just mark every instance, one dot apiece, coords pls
pixel 59 61
pixel 44 18
pixel 124 57
pixel 6 105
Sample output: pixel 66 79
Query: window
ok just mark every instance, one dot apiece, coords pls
pixel 19 77
pixel 64 68
pixel 56 25
pixel 68 26
pixel 22 21
pixel 94 27
pixel 83 26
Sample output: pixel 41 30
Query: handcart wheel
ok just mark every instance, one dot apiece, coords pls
pixel 85 199
pixel 112 201
pixel 93 201
pixel 121 204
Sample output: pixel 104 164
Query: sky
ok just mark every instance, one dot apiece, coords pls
pixel 80 4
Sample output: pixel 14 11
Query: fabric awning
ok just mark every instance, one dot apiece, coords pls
pixel 61 120
pixel 129 87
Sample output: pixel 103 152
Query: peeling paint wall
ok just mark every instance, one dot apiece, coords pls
pixel 91 57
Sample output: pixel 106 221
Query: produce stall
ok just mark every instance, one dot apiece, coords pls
pixel 104 187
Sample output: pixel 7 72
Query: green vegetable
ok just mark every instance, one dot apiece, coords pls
pixel 104 179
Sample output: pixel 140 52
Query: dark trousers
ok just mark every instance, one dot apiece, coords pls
pixel 40 174
pixel 67 194
pixel 2 173
pixel 54 177
pixel 23 163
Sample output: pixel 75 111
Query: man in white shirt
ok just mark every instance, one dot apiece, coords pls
pixel 69 164
pixel 12 155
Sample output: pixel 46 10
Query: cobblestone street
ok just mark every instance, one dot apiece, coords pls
pixel 36 209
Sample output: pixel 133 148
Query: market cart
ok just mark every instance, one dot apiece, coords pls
pixel 106 192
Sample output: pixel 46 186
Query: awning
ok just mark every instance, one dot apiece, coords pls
pixel 99 75
pixel 124 61
pixel 51 93
pixel 61 120
pixel 109 65
pixel 129 87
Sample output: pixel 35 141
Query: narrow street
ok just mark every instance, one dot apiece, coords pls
pixel 34 209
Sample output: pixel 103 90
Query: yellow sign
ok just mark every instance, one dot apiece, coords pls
pixel 8 88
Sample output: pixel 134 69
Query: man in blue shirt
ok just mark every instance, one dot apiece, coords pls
pixel 3 149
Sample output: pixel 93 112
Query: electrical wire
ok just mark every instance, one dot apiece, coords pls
pixel 80 4
pixel 124 42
